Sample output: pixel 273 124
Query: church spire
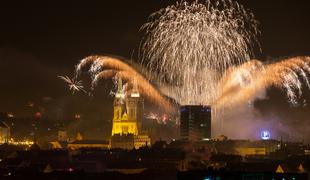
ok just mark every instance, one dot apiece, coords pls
pixel 119 93
pixel 135 90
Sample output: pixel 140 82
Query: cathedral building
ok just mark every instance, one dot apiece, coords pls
pixel 127 120
pixel 126 126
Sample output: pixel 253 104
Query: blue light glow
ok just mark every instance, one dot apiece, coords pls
pixel 265 135
pixel 183 109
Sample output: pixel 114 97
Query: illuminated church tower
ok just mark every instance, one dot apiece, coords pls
pixel 135 106
pixel 124 119
pixel 127 119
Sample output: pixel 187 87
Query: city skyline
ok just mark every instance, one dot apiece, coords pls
pixel 55 37
pixel 156 89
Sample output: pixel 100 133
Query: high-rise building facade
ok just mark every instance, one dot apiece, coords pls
pixel 4 132
pixel 195 122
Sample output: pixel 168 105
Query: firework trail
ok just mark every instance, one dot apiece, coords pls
pixel 199 53
pixel 190 45
pixel 235 78
pixel 242 83
pixel 238 85
pixel 104 67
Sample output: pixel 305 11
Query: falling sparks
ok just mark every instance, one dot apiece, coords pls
pixel 199 53
pixel 190 45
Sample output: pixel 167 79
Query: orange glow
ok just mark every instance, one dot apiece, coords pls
pixel 30 104
pixel 10 115
pixel 38 115
pixel 77 116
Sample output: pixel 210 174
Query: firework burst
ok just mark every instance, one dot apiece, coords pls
pixel 73 84
pixel 190 45
pixel 199 53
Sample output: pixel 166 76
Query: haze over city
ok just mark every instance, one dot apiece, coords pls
pixel 93 74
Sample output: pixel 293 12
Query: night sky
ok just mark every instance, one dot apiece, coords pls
pixel 40 40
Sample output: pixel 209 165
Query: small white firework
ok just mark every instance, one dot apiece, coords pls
pixel 73 84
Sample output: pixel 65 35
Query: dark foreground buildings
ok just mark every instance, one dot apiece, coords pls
pixel 195 122
pixel 165 161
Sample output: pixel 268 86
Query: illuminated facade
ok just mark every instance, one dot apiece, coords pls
pixel 126 126
pixel 4 132
pixel 100 144
pixel 62 135
pixel 127 118
pixel 246 151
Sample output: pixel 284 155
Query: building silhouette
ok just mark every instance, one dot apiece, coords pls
pixel 195 122
pixel 5 132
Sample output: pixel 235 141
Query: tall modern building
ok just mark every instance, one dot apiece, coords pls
pixel 127 119
pixel 195 122
pixel 4 132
